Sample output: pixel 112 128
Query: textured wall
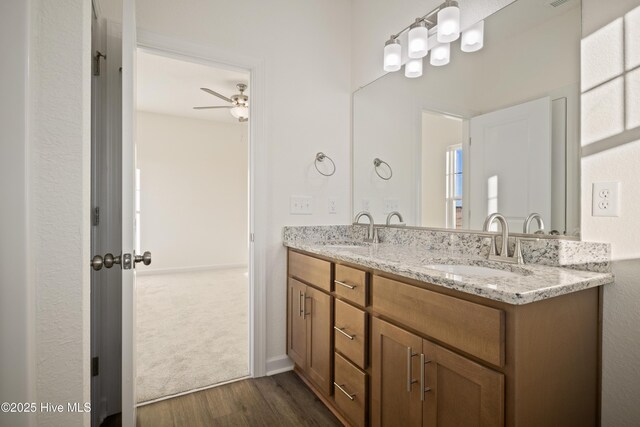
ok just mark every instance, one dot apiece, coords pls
pixel 60 185
pixel 611 151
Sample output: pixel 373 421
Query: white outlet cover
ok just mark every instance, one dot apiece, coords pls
pixel 605 198
pixel 332 206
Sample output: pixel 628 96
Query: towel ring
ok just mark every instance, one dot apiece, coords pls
pixel 320 158
pixel 376 163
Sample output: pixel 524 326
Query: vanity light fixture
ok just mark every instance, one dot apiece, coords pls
pixel 418 37
pixel 392 54
pixel 441 24
pixel 473 38
pixel 440 54
pixel 449 22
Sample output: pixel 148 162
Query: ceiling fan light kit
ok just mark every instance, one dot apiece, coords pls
pixel 239 107
pixel 433 32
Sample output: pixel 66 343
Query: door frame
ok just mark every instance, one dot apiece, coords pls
pixel 219 58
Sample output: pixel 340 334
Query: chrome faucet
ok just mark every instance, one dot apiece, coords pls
pixel 371 235
pixel 395 213
pixel 503 255
pixel 529 220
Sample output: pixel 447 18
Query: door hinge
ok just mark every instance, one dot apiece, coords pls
pixel 469 141
pixel 96 215
pixel 95 366
pixel 96 62
pixel 252 237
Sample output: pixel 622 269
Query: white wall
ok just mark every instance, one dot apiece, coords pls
pixel 438 134
pixel 611 151
pixel 306 51
pixel 59 191
pixel 194 193
pixel 17 363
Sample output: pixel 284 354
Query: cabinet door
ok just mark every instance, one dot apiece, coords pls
pixel 319 330
pixel 297 331
pixel 461 392
pixel 395 370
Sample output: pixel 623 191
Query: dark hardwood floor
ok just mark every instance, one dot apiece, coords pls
pixel 279 400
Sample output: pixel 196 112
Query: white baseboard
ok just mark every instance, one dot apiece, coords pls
pixel 146 272
pixel 279 364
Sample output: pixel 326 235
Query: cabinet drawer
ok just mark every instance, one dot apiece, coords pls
pixel 311 270
pixel 350 387
pixel 470 327
pixel 349 332
pixel 351 284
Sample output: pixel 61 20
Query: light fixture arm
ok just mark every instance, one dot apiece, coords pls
pixel 430 23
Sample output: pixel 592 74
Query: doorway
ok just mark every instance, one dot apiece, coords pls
pixel 192 200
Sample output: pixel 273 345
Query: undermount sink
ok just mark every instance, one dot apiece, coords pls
pixel 471 270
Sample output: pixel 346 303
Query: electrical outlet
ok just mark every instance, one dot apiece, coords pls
pixel 332 206
pixel 605 199
pixel 365 205
pixel 300 205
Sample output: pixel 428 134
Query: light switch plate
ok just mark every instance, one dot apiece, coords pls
pixel 300 205
pixel 605 199
pixel 391 205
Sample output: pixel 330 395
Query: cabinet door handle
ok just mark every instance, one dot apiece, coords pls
pixel 346 285
pixel 304 306
pixel 410 380
pixel 422 377
pixel 341 330
pixel 300 305
pixel 351 396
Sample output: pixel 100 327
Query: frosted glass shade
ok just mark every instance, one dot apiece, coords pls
pixel 473 38
pixel 392 55
pixel 440 54
pixel 240 112
pixel 413 68
pixel 417 45
pixel 448 24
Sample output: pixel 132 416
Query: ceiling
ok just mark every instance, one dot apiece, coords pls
pixel 171 86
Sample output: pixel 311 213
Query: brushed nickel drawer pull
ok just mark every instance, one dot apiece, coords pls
pixel 341 330
pixel 346 393
pixel 410 380
pixel 300 305
pixel 422 377
pixel 346 285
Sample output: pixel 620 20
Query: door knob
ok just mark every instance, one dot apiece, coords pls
pixel 145 258
pixel 97 262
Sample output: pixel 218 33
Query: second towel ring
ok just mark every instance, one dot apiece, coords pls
pixel 376 163
pixel 320 158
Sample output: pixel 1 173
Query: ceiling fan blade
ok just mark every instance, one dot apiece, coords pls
pixel 209 91
pixel 209 108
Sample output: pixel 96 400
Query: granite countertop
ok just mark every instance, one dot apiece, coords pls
pixel 527 283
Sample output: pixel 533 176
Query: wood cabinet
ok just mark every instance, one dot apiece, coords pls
pixel 309 320
pixel 385 350
pixel 418 383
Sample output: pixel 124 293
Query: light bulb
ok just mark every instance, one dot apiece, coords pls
pixel 392 55
pixel 449 23
pixel 417 40
pixel 473 38
pixel 413 68
pixel 240 112
pixel 440 54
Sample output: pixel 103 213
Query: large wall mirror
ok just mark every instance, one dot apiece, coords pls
pixel 495 130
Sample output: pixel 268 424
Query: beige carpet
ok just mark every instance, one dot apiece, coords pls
pixel 192 331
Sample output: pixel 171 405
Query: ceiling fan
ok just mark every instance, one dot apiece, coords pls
pixel 239 103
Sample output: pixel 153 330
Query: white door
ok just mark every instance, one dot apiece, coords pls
pixel 129 46
pixel 510 164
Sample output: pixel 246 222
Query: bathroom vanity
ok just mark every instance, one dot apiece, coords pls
pixel 421 329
